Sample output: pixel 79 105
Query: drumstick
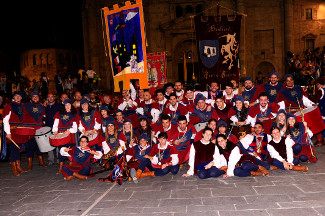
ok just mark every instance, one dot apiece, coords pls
pixel 14 143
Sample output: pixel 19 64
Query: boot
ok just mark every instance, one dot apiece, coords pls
pixel 78 176
pixel 224 168
pixel 138 174
pixel 30 164
pixel 41 162
pixel 19 169
pixel 257 173
pixel 300 168
pixel 60 168
pixel 274 167
pixel 319 142
pixel 14 169
pixel 68 178
pixel 264 171
pixel 146 174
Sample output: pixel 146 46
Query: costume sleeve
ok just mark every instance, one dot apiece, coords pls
pixel 246 141
pixel 233 160
pixel 64 153
pixel 81 127
pixel 6 124
pixel 190 171
pixel 55 127
pixel 289 143
pixel 99 156
pixel 273 153
pixel 106 148
pixel 217 160
pixel 74 127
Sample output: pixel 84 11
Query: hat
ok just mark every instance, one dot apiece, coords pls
pixel 291 115
pixel 143 117
pixel 222 123
pixel 86 96
pixel 282 111
pixel 239 98
pixel 34 93
pixel 248 78
pixel 66 101
pixel 274 73
pixel 143 136
pixel 118 110
pixel 199 97
pixel 111 122
pixel 288 75
pixel 103 107
pixel 84 100
pixel 127 120
pixel 18 93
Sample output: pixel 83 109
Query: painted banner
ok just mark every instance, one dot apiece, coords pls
pixel 127 44
pixel 218 48
pixel 156 70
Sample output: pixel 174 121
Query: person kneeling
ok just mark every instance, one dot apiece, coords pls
pixel 204 159
pixel 239 163
pixel 281 152
pixel 162 159
pixel 80 160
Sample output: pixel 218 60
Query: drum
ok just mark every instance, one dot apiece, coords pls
pixel 93 139
pixel 241 132
pixel 200 126
pixel 60 139
pixel 42 137
pixel 313 118
pixel 24 131
pixel 22 134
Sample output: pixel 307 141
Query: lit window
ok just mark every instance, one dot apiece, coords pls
pixel 309 14
pixel 134 47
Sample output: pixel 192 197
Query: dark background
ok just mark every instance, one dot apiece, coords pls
pixel 36 25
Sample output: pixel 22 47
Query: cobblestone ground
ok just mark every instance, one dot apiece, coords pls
pixel 42 192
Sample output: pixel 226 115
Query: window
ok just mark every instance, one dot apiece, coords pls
pixel 309 14
pixel 310 44
pixel 47 58
pixel 34 59
pixel 198 9
pixel 189 9
pixel 179 11
pixel 40 59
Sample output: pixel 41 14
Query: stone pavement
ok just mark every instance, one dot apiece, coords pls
pixel 42 192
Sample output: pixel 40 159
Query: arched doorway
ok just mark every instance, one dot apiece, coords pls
pixel 265 67
pixel 189 48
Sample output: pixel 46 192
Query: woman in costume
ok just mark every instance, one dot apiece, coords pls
pixel 65 121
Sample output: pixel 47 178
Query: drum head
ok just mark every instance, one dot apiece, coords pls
pixel 42 131
pixel 307 110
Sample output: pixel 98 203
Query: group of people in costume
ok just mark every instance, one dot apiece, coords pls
pixel 240 131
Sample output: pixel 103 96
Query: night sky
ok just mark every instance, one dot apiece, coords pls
pixel 39 24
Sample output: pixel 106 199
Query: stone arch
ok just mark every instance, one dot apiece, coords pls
pixel 187 45
pixel 265 67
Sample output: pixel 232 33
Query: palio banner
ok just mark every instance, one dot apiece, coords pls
pixel 218 47
pixel 156 70
pixel 127 44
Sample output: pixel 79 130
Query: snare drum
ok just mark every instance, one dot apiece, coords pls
pixel 42 137
pixel 313 118
pixel 22 134
pixel 200 126
pixel 60 139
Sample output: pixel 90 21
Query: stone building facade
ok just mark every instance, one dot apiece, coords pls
pixel 34 62
pixel 270 29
